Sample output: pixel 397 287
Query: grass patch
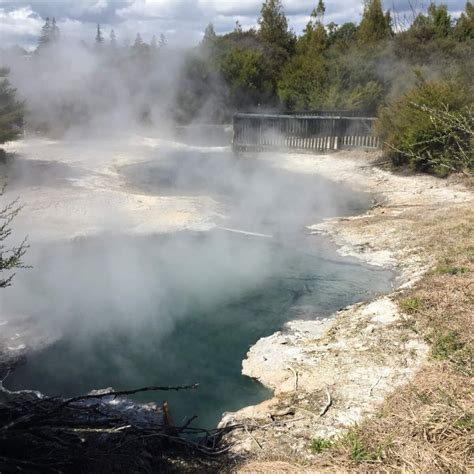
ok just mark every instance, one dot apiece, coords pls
pixel 466 422
pixel 358 450
pixel 411 305
pixel 318 445
pixel 445 345
pixel 451 270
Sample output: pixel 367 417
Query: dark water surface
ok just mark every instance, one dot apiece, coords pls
pixel 185 308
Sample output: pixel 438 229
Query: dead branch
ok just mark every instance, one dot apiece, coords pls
pixel 328 403
pixel 295 373
pixel 59 435
pixel 371 389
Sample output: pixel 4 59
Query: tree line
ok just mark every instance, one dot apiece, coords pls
pixel 381 66
pixel 329 66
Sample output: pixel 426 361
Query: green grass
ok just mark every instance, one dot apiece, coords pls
pixel 318 445
pixel 466 422
pixel 358 451
pixel 411 305
pixel 451 270
pixel 445 345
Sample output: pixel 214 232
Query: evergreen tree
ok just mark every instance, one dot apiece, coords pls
pixel 154 43
pixel 375 25
pixel 140 49
pixel 11 110
pixel 319 12
pixel 343 36
pixel 163 41
pixel 113 40
pixel 238 28
pixel 138 41
pixel 55 33
pixel 440 19
pixel 464 29
pixel 274 26
pixel 45 36
pixel 210 36
pixel 99 39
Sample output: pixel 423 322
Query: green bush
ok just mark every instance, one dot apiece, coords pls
pixel 430 128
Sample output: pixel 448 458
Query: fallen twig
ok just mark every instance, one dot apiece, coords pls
pixel 122 393
pixel 328 403
pixel 295 373
pixel 374 385
pixel 253 437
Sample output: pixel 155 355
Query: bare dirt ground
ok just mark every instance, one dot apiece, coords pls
pixel 348 390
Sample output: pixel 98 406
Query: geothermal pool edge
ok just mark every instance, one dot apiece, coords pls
pixel 328 375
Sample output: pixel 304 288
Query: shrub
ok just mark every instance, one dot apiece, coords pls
pixel 430 128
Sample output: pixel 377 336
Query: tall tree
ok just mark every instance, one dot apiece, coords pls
pixel 440 19
pixel 274 26
pixel 154 43
pixel 45 36
pixel 319 12
pixel 99 39
pixel 238 28
pixel 375 25
pixel 11 110
pixel 138 41
pixel 55 33
pixel 113 39
pixel 464 28
pixel 209 37
pixel 163 41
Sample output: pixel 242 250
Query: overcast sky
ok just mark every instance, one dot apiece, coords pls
pixel 182 21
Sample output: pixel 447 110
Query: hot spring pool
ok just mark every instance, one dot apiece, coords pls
pixel 183 308
pixel 177 310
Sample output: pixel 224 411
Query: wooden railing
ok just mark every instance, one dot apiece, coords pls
pixel 303 132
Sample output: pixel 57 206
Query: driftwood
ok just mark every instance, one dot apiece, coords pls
pixel 99 432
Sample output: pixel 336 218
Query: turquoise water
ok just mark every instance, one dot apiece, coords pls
pixel 185 308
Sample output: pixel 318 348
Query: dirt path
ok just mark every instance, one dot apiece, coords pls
pixel 328 375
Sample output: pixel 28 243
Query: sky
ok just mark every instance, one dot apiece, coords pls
pixel 181 21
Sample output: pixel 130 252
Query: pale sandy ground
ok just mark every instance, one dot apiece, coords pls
pixel 97 199
pixel 328 375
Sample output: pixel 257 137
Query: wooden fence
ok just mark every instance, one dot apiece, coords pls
pixel 303 132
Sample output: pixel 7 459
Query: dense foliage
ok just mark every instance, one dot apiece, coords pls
pixel 430 128
pixel 380 66
pixel 11 110
pixel 347 66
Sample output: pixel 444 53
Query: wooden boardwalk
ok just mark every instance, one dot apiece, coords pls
pixel 317 132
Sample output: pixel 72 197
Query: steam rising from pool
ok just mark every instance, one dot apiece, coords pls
pixel 133 307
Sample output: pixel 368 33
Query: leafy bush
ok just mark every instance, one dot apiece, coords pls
pixel 430 128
